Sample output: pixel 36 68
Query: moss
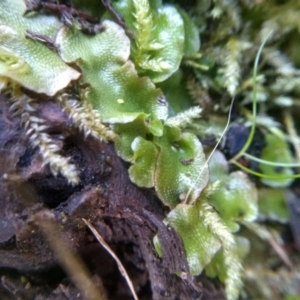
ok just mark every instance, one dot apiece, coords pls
pixel 135 82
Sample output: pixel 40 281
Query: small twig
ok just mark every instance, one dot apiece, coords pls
pixel 264 234
pixel 41 38
pixel 88 24
pixel 70 262
pixel 281 252
pixel 109 250
pixel 211 154
pixel 118 18
pixel 59 9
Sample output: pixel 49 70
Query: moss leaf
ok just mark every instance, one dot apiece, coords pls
pixel 272 204
pixel 199 242
pixel 277 150
pixel 175 91
pixel 26 61
pixel 235 199
pixel 126 134
pixel 179 163
pixel 115 88
pixel 143 170
pixel 159 44
pixel 191 34
pixel 11 14
pixel 217 266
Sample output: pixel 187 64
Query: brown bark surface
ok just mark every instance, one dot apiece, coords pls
pixel 125 216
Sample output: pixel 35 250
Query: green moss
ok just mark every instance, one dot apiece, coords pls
pixel 200 243
pixel 25 61
pixel 158 46
pixel 143 87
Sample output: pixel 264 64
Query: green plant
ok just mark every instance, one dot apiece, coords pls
pixel 122 88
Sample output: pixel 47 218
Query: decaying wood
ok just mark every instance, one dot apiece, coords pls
pixel 126 217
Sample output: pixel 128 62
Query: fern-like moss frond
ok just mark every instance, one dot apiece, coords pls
pixel 156 53
pixel 153 64
pixel 280 62
pixel 212 220
pixel 198 93
pixel 231 9
pixel 144 42
pixel 35 129
pixel 143 25
pixel 232 64
pixel 286 85
pixel 85 118
pixel 184 118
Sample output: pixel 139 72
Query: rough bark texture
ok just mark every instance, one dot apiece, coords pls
pixel 125 216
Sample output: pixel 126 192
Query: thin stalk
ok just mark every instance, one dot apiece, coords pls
pixel 273 177
pixel 271 163
pixel 211 154
pixel 254 105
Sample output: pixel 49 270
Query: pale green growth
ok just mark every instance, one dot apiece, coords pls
pixel 265 121
pixel 85 118
pixel 254 101
pixel 193 64
pixel 233 11
pixel 205 166
pixel 49 150
pixel 216 12
pixel 212 220
pixel 200 244
pixel 284 101
pixel 281 21
pixel 275 140
pixel 211 189
pixel 280 62
pixel 232 64
pixel 110 75
pixel 9 58
pixel 270 284
pixel 177 173
pixel 143 25
pixel 230 8
pixel 153 64
pixel 231 72
pixel 160 39
pixel 184 118
pixel 198 93
pixel 20 103
pixel 274 26
pixel 286 85
pixel 273 238
pixel 23 61
pixel 272 204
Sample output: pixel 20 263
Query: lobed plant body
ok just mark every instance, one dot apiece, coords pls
pixel 132 89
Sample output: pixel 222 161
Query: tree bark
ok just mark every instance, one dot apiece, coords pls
pixel 124 215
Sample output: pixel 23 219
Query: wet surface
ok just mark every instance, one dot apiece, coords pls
pixel 124 215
